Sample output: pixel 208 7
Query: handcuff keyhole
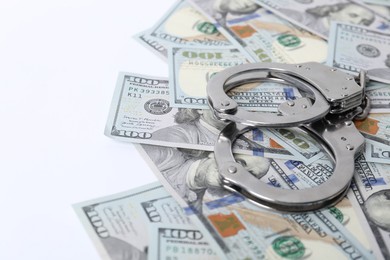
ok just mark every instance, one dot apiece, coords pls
pixel 343 138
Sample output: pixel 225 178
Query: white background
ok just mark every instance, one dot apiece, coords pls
pixel 58 66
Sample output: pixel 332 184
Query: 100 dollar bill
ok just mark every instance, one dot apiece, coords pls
pixel 353 48
pixel 370 196
pixel 120 224
pixel 241 229
pixel 191 69
pixel 263 35
pixel 316 16
pixel 141 113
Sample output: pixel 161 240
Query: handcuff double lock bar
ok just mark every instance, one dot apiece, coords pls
pixel 333 99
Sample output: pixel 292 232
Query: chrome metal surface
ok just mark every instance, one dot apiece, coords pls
pixel 342 140
pixel 330 91
pixel 334 99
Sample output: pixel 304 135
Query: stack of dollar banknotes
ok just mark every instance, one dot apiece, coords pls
pixel 187 215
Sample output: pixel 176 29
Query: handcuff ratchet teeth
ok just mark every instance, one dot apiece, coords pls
pixel 333 99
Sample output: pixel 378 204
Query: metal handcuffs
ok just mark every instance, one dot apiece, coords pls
pixel 335 98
